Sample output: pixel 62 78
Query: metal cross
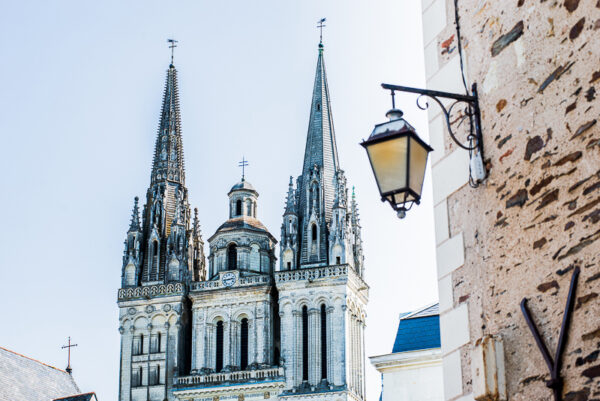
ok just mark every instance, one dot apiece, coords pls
pixel 243 165
pixel 172 46
pixel 320 25
pixel 68 347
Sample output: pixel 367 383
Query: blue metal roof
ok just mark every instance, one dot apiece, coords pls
pixel 416 332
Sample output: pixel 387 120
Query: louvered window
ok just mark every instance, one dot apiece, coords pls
pixel 304 343
pixel 244 345
pixel 323 342
pixel 219 361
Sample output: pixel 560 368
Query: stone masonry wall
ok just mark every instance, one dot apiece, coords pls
pixel 522 232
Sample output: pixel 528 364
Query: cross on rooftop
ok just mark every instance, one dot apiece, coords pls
pixel 321 25
pixel 243 165
pixel 68 347
pixel 172 46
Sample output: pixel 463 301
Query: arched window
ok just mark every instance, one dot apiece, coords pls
pixel 232 257
pixel 238 208
pixel 219 348
pixel 314 232
pixel 323 342
pixel 244 344
pixel 141 344
pixel 304 343
pixel 249 208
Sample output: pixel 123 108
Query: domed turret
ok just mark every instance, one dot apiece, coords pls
pixel 242 243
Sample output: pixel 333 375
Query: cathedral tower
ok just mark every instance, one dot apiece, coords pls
pixel 322 294
pixel 163 256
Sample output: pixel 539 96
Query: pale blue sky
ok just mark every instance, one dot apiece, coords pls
pixel 80 101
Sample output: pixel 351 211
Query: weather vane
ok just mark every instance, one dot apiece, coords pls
pixel 320 25
pixel 68 347
pixel 172 46
pixel 243 165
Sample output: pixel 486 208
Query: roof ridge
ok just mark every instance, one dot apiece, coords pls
pixel 32 359
pixel 409 315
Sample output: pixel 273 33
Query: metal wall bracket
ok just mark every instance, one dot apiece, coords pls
pixel 554 365
pixel 471 113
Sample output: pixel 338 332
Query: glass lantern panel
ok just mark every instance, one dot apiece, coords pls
pixel 418 161
pixel 389 161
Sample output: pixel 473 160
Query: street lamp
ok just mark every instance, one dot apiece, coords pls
pixel 398 158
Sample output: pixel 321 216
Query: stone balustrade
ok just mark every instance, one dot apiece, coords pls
pixel 151 291
pixel 311 274
pixel 242 282
pixel 230 377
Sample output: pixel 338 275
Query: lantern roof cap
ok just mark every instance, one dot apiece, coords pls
pixel 394 127
pixel 243 185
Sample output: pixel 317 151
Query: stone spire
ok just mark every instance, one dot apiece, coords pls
pixel 316 188
pixel 165 247
pixel 321 147
pixel 135 217
pixel 168 161
pixel 290 202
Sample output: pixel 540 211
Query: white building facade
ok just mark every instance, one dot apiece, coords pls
pixel 242 327
pixel 413 371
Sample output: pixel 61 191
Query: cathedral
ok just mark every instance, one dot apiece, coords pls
pixel 237 324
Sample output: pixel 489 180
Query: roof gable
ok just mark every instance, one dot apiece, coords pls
pixel 418 330
pixel 25 379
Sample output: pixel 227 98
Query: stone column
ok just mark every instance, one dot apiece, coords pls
pixel 235 344
pixel 297 348
pixel 126 351
pixel 252 333
pixel 195 360
pixel 353 355
pixel 168 377
pixel 343 365
pixel 226 344
pixel 330 344
pixel 314 347
pixel 362 358
pixel 209 355
pixel 200 342
pixel 260 340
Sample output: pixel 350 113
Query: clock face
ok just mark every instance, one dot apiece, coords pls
pixel 228 279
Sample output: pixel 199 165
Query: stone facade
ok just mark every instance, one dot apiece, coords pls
pixel 237 328
pixel 527 228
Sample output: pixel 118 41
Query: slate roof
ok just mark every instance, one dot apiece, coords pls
pixel 79 397
pixel 25 379
pixel 418 330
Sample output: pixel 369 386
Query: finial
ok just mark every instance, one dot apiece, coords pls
pixel 68 347
pixel 135 216
pixel 291 181
pixel 353 194
pixel 172 46
pixel 243 165
pixel 320 25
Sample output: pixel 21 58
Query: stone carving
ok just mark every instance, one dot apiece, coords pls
pixel 151 291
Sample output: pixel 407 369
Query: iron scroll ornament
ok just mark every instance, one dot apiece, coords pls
pixel 554 365
pixel 471 113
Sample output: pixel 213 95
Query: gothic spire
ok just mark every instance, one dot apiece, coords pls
pixel 135 217
pixel 321 148
pixel 290 202
pixel 168 164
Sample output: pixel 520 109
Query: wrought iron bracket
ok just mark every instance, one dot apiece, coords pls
pixel 554 365
pixel 470 112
